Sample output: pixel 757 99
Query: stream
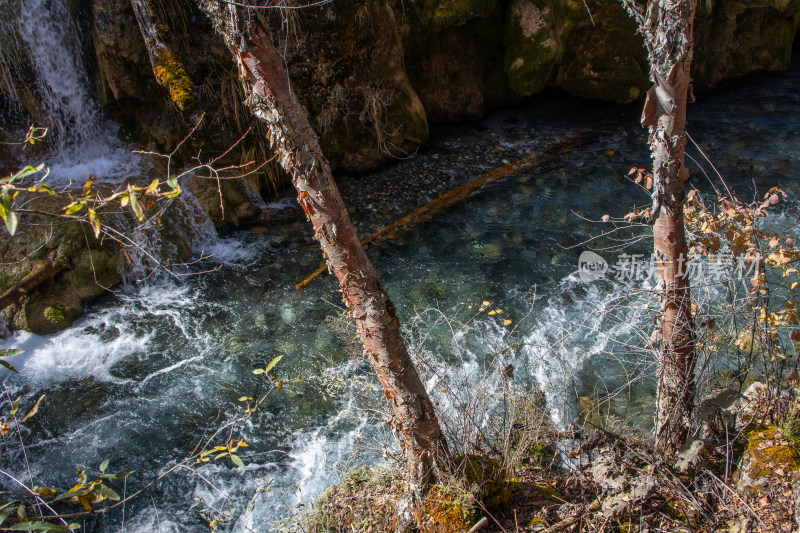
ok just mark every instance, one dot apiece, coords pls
pixel 152 368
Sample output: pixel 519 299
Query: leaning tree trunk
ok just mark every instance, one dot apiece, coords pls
pixel 271 98
pixel 667 30
pixel 167 67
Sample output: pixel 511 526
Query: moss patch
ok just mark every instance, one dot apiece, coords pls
pixel 171 74
pixel 450 509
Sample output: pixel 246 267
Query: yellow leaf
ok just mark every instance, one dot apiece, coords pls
pixel 94 220
pixel 507 323
pixel 152 187
pixel 485 303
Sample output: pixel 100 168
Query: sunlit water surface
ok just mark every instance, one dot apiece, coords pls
pixel 151 369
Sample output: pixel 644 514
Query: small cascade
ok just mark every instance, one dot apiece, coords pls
pixel 41 48
pixel 51 39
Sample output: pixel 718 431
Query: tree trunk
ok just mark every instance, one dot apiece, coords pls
pixel 667 29
pixel 270 97
pixel 167 67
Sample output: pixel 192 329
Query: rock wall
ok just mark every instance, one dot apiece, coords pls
pixel 373 73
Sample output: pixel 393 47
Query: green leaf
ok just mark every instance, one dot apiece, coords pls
pixel 11 222
pixel 3 516
pixel 237 460
pixel 258 371
pixel 117 476
pixel 48 189
pixel 33 411
pixel 137 209
pixel 172 181
pixel 8 366
pixel 107 492
pixel 272 364
pixel 104 465
pixel 74 208
pixel 8 216
pixel 22 174
pixel 10 352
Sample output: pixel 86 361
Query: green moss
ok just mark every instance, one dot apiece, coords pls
pixel 451 508
pixel 490 476
pixel 765 458
pixel 171 74
pixel 365 501
pixel 61 316
pixel 533 45
pixel 455 12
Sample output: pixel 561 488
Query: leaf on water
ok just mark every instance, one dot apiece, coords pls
pixel 33 411
pixel 272 364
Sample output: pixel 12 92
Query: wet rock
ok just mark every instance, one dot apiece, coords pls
pixel 222 202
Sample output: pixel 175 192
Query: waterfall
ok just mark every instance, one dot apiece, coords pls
pixel 40 60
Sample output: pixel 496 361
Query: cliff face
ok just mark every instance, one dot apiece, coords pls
pixel 373 73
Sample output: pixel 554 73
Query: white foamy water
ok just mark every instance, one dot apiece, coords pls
pixel 43 34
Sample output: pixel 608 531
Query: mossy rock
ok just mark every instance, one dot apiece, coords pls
pixel 604 57
pixel 222 202
pixel 489 476
pixel 49 312
pixel 365 501
pixel 534 45
pixel 172 75
pixel 450 509
pixel 768 455
pixel 739 36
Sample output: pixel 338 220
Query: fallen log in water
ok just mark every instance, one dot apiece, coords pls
pixel 451 198
pixel 41 271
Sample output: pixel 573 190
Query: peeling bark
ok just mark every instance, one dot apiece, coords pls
pixel 270 98
pixel 667 29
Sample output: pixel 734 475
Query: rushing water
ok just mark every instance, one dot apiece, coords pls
pixel 151 369
pixel 146 372
pixel 41 44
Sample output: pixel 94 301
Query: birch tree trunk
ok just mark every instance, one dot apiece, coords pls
pixel 270 98
pixel 667 29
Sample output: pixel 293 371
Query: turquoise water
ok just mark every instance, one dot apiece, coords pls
pixel 146 372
